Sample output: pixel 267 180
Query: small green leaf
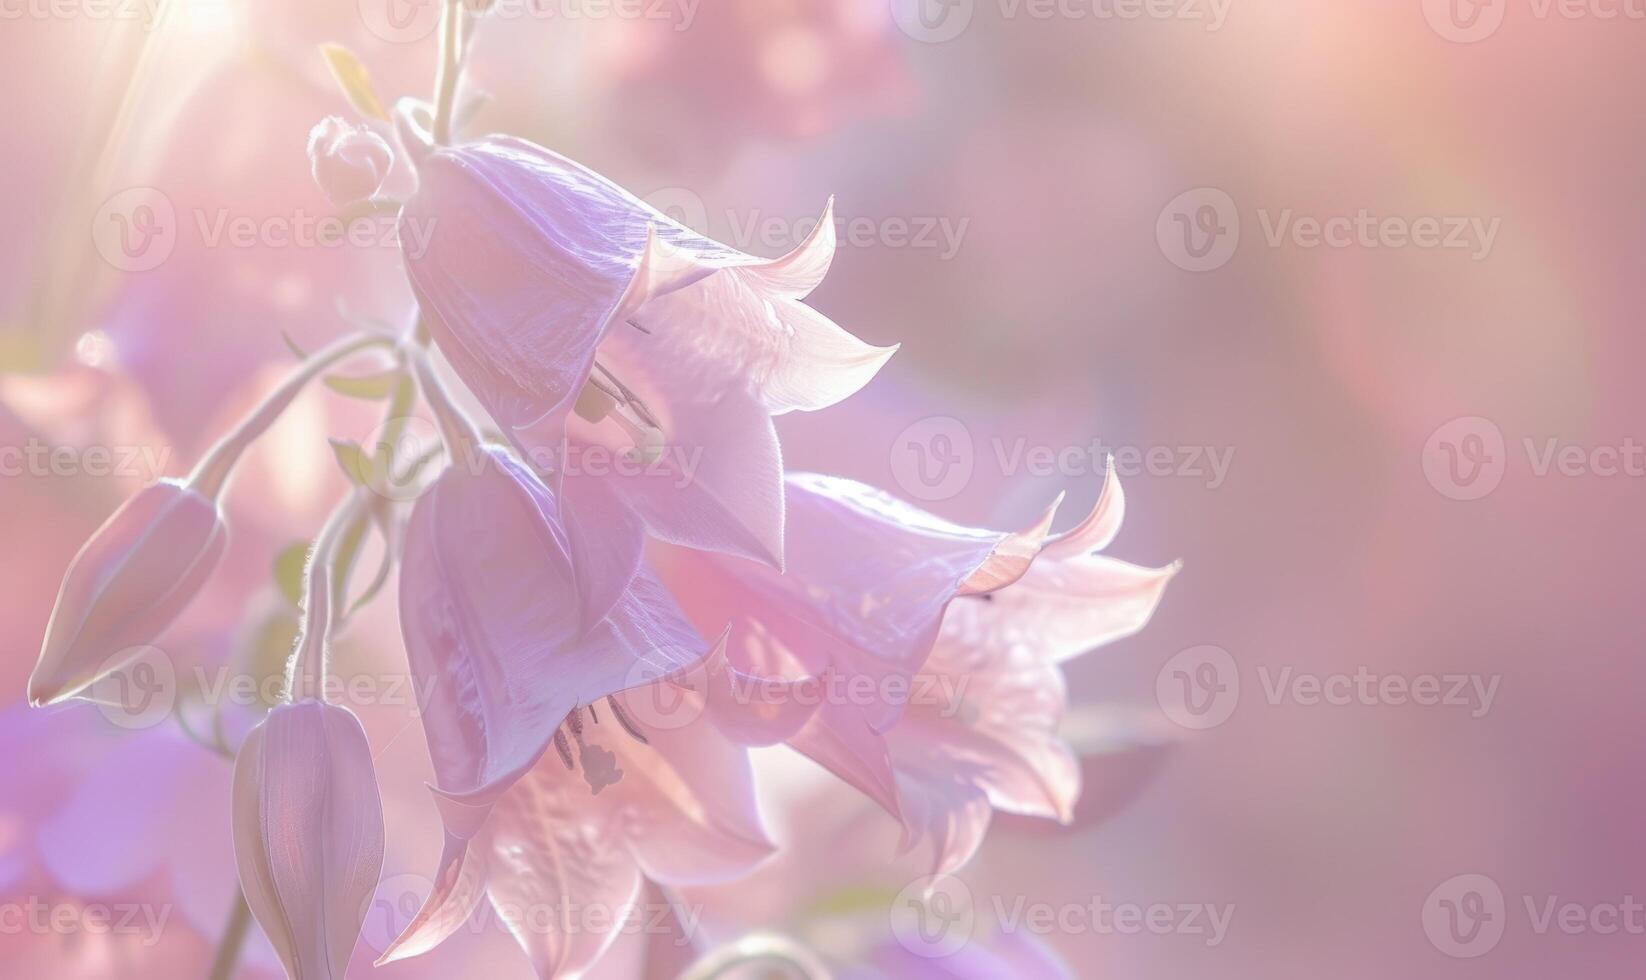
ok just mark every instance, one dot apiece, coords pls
pixel 291 345
pixel 356 465
pixel 370 387
pixel 288 571
pixel 354 79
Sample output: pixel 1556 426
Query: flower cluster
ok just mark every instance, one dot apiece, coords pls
pixel 597 653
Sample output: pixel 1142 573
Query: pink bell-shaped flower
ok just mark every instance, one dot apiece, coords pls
pixel 917 660
pixel 128 583
pixel 549 289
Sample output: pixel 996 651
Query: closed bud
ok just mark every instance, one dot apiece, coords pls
pixel 308 833
pixel 129 582
pixel 349 162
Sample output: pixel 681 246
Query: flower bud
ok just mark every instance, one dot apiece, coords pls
pixel 129 582
pixel 308 833
pixel 349 162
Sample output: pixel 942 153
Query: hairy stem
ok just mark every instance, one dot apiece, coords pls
pixel 306 671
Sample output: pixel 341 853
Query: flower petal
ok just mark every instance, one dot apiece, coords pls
pixel 1098 530
pixel 606 539
pixel 1066 608
pixel 459 888
pixel 795 275
pixel 719 485
pixel 490 619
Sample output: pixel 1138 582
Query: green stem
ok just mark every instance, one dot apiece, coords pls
pixel 214 469
pixel 234 937
pixel 451 66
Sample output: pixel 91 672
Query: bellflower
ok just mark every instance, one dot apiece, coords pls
pixel 490 619
pixel 935 648
pixel 627 798
pixel 549 288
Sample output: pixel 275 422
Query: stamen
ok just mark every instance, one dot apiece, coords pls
pixel 605 396
pixel 564 748
pixel 593 715
pixel 623 720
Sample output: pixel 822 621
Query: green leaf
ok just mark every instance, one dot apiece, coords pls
pixel 354 79
pixel 370 387
pixel 288 571
pixel 356 465
pixel 291 345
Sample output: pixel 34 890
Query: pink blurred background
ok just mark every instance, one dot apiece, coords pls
pixel 1019 192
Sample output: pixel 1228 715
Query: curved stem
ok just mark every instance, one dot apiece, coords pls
pixel 451 67
pixel 234 936
pixel 307 670
pixel 213 471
